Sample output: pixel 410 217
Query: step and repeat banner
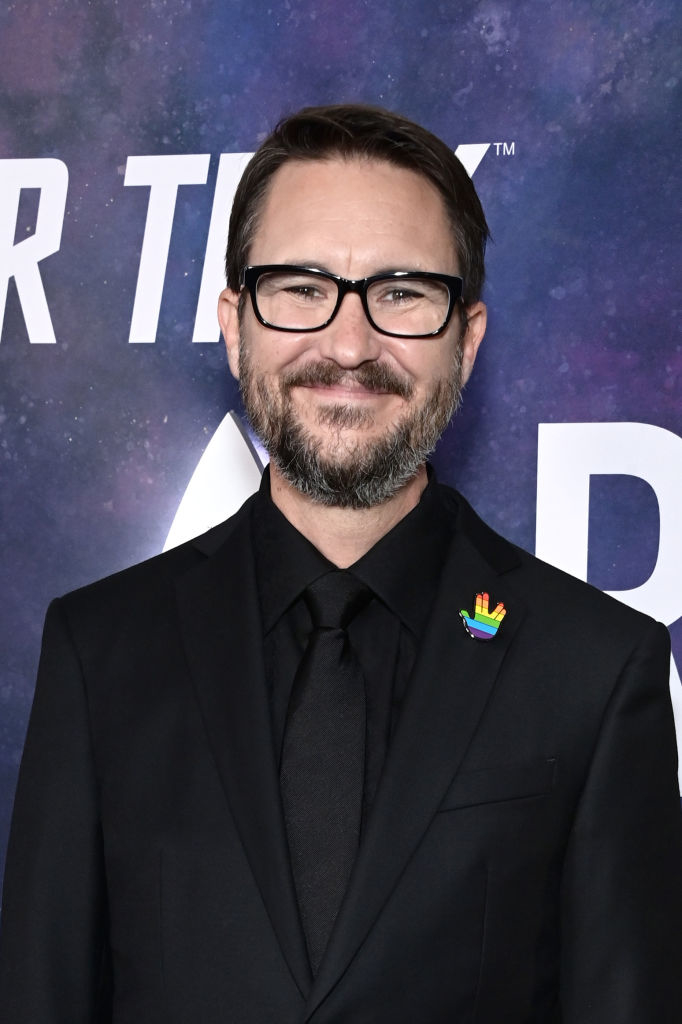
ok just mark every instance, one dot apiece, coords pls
pixel 123 130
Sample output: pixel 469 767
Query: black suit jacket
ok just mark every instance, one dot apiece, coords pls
pixel 522 862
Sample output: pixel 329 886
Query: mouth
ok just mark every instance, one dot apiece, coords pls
pixel 367 381
pixel 347 390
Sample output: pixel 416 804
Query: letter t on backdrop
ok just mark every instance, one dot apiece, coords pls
pixel 163 175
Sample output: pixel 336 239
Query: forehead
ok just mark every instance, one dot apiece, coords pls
pixel 364 213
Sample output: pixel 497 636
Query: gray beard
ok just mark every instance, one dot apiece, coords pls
pixel 358 474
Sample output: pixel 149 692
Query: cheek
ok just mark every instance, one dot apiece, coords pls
pixel 426 361
pixel 279 353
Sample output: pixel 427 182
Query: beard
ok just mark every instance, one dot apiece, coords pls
pixel 351 473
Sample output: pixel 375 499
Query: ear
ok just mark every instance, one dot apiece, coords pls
pixel 477 316
pixel 228 317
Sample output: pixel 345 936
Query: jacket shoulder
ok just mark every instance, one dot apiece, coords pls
pixel 140 583
pixel 546 587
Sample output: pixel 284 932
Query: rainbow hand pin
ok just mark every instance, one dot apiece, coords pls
pixel 485 624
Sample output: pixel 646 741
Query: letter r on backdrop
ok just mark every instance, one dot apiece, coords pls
pixel 20 260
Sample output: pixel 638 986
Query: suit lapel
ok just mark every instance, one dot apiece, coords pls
pixel 451 684
pixel 222 631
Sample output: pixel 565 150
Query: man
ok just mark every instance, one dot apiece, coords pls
pixel 350 756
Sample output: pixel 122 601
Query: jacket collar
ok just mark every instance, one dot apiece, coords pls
pixel 221 630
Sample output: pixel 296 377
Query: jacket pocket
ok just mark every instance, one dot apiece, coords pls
pixel 503 782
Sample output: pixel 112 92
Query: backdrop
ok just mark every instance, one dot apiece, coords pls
pixel 122 129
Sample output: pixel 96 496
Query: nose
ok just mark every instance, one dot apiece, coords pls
pixel 350 339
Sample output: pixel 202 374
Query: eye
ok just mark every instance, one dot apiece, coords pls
pixel 397 295
pixel 299 288
pixel 309 292
pixel 404 295
pixel 409 293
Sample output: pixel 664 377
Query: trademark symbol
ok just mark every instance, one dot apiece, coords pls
pixel 504 148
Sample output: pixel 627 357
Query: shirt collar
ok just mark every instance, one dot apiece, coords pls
pixel 286 562
pixel 402 569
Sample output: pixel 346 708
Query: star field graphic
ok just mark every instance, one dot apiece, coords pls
pixel 99 437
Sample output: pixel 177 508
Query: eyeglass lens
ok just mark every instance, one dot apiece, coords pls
pixel 405 306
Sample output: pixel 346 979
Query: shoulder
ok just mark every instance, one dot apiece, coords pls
pixel 569 649
pixel 140 588
pixel 561 602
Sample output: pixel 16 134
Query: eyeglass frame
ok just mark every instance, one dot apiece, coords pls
pixel 250 276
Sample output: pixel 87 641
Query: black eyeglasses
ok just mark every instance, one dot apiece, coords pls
pixel 404 304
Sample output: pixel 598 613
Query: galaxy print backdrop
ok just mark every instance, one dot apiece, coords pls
pixel 113 120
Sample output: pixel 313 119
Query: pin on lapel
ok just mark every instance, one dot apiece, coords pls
pixel 484 624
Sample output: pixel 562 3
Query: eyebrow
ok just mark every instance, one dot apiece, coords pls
pixel 388 269
pixel 308 264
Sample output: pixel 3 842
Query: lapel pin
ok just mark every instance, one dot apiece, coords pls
pixel 484 624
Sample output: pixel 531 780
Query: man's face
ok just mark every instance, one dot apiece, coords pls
pixel 349 415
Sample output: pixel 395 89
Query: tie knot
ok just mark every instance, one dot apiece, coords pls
pixel 333 599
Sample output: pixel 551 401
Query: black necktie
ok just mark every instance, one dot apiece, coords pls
pixel 323 758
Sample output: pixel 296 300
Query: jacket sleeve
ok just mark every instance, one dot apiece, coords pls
pixel 54 959
pixel 622 883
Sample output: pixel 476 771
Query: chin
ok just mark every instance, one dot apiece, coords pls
pixel 344 447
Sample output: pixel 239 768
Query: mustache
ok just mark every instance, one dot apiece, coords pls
pixel 371 376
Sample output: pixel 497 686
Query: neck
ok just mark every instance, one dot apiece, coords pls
pixel 343 534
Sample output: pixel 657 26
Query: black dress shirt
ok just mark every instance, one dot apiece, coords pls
pixel 402 570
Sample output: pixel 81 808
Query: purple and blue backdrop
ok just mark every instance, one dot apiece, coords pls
pixel 116 428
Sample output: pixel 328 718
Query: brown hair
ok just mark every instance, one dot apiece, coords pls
pixel 356 130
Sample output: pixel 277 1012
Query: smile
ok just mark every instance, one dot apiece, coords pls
pixel 347 390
